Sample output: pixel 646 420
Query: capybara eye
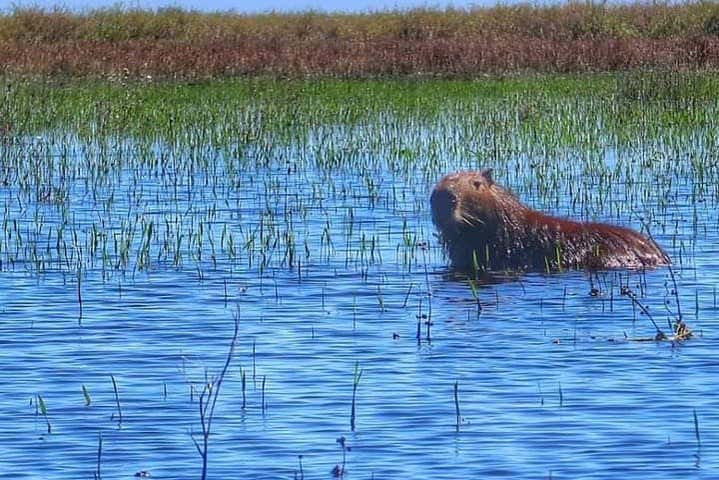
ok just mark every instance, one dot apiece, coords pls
pixel 477 184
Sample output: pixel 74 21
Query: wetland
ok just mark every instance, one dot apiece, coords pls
pixel 141 219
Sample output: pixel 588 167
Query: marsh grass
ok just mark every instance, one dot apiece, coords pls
pixel 171 168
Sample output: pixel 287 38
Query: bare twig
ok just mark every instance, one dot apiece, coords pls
pixel 456 404
pixel 355 383
pixel 117 401
pixel 98 475
pixel 626 291
pixel 208 402
pixel 676 294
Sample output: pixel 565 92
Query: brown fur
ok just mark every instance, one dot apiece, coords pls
pixel 485 227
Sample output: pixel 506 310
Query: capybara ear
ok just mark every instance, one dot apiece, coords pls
pixel 487 174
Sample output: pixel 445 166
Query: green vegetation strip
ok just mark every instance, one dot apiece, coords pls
pixel 98 177
pixel 563 109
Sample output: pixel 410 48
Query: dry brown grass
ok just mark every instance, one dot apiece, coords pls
pixel 176 43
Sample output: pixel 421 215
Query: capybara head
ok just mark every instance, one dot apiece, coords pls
pixel 463 200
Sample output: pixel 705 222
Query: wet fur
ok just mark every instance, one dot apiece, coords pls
pixel 485 227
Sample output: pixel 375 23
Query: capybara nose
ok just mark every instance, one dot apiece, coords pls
pixel 443 203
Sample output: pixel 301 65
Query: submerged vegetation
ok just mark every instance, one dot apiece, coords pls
pixel 173 43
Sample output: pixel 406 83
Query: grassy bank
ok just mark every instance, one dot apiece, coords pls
pixel 181 44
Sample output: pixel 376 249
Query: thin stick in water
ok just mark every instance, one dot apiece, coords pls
pixel 264 379
pixel 98 475
pixel 456 404
pixel 355 383
pixel 79 294
pixel 117 400
pixel 676 292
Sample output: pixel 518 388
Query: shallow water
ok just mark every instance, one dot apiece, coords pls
pixel 326 267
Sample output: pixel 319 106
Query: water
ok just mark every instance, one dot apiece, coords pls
pixel 328 268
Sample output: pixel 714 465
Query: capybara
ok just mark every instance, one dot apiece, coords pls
pixel 484 227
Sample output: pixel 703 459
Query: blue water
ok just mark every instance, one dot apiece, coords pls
pixel 550 381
